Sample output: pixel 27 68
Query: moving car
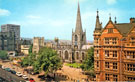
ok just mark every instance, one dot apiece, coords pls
pixel 19 74
pixel 25 77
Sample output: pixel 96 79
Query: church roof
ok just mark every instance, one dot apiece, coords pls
pixel 78 21
pixel 124 28
pixel 85 47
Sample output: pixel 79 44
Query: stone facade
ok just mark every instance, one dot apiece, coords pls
pixel 38 42
pixel 25 49
pixel 76 51
pixel 114 51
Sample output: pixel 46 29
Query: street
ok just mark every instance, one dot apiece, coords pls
pixel 10 77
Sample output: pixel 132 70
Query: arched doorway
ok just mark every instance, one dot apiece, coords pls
pixel 66 55
pixel 60 53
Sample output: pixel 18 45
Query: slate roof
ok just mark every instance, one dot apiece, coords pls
pixel 124 28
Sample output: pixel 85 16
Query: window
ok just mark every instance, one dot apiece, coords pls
pixel 115 77
pixel 107 77
pixel 106 40
pixel 114 40
pixel 106 53
pixel 97 64
pixel 114 65
pixel 110 30
pixel 114 53
pixel 107 65
pixel 96 40
pixel 131 67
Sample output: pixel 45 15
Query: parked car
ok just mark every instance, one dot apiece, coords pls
pixel 3 67
pixel 32 80
pixel 19 74
pixel 13 72
pixel 0 66
pixel 25 77
pixel 8 69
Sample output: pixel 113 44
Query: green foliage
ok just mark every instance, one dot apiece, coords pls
pixel 47 61
pixel 88 64
pixel 3 55
pixel 30 49
pixel 28 60
pixel 74 65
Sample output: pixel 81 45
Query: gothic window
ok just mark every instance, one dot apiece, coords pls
pixel 107 65
pixel 76 39
pixel 60 53
pixel 77 55
pixel 82 37
pixel 114 53
pixel 82 56
pixel 114 65
pixel 66 55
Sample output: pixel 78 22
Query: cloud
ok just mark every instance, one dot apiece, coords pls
pixel 4 12
pixel 111 2
pixel 33 17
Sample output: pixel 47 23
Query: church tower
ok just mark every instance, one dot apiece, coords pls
pixel 78 37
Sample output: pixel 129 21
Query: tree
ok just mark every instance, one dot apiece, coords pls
pixel 30 49
pixel 28 60
pixel 3 55
pixel 47 61
pixel 88 64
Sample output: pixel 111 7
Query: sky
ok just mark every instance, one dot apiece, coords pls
pixel 57 18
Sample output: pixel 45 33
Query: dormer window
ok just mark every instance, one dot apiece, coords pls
pixel 110 30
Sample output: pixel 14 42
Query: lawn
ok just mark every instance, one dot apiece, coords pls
pixel 74 65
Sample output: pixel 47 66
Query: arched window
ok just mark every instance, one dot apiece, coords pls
pixel 83 57
pixel 77 55
pixel 76 39
pixel 60 53
pixel 82 37
pixel 66 55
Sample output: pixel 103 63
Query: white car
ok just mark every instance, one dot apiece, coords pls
pixel 3 67
pixel 25 77
pixel 19 74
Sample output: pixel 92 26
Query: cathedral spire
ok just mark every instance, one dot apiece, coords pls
pixel 98 25
pixel 78 21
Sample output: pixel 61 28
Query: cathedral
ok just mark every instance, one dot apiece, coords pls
pixel 76 52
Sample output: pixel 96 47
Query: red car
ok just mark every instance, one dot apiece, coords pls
pixel 32 80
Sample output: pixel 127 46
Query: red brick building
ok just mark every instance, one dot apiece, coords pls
pixel 114 51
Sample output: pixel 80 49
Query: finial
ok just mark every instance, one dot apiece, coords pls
pixel 97 13
pixel 115 20
pixel 110 16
